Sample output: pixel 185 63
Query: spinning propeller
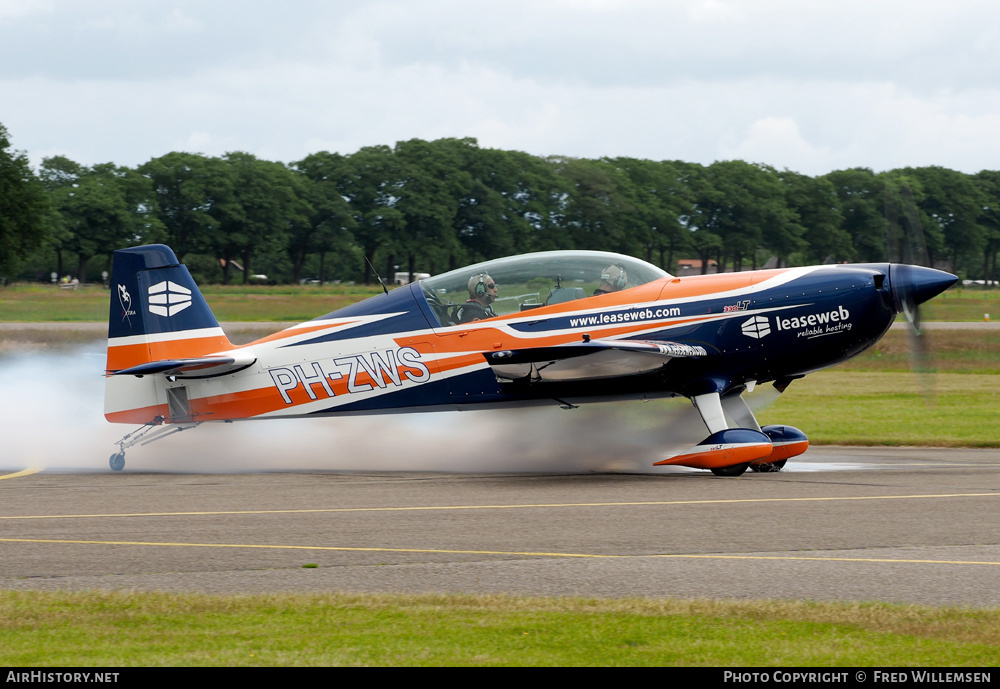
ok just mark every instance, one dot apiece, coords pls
pixel 911 284
pixel 910 281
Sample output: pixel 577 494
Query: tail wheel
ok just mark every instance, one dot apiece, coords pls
pixel 734 470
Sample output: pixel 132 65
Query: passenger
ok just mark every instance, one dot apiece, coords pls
pixel 482 293
pixel 613 279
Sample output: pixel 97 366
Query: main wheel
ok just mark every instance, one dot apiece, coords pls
pixel 769 467
pixel 735 470
pixel 117 461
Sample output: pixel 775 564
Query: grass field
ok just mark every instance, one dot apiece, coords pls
pixel 845 407
pixel 948 351
pixel 43 303
pixel 157 629
pixel 963 305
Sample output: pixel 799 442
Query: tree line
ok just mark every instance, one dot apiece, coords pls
pixel 431 206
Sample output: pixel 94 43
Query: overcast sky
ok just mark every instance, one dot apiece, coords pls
pixel 809 85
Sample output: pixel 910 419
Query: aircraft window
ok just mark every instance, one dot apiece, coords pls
pixel 534 280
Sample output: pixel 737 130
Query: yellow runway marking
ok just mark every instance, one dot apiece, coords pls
pixel 832 559
pixel 301 547
pixel 24 472
pixel 494 552
pixel 433 508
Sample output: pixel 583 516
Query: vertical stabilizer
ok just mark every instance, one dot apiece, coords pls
pixel 157 313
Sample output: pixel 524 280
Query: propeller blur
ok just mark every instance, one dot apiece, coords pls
pixel 551 328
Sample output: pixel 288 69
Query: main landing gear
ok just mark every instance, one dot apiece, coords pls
pixel 730 451
pixel 734 470
pixel 144 435
pixel 768 467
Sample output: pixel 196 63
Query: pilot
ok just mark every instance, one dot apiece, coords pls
pixel 482 293
pixel 613 279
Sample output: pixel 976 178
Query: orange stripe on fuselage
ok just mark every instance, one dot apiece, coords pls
pixel 249 403
pixel 454 363
pixel 296 330
pixel 126 356
pixel 485 339
pixel 141 415
pixel 240 405
pixel 704 285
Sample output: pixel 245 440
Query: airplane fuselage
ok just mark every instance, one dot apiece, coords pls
pixel 392 353
pixel 563 327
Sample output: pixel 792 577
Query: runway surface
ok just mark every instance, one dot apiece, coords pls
pixel 904 525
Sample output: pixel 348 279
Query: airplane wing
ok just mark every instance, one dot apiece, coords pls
pixel 205 366
pixel 592 359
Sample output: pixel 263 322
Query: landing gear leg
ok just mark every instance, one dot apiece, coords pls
pixel 727 451
pixel 144 436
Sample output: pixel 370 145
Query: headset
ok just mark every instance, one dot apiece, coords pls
pixel 618 281
pixel 477 285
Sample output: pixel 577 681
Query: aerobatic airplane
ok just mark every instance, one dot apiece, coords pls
pixel 551 328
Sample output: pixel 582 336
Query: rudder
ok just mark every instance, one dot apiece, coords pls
pixel 157 313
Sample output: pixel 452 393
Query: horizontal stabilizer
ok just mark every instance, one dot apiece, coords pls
pixel 592 359
pixel 197 367
pixel 723 449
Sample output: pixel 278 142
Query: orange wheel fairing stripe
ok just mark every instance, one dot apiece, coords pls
pixel 716 459
pixel 786 451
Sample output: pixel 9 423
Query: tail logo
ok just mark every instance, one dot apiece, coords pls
pixel 756 327
pixel 125 299
pixel 168 298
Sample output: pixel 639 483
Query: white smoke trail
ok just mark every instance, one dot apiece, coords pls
pixel 51 415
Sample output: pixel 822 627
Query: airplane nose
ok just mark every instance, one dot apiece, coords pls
pixel 917 284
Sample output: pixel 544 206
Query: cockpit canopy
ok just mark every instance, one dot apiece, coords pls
pixel 531 281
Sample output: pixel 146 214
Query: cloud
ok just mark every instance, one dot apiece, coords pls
pixel 774 138
pixel 875 84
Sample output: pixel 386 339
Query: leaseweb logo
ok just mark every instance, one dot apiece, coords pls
pixel 813 319
pixel 168 298
pixel 756 327
pixel 759 326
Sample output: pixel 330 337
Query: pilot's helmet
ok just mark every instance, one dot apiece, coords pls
pixel 479 286
pixel 614 277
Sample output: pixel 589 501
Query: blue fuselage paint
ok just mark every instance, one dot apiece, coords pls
pixel 813 321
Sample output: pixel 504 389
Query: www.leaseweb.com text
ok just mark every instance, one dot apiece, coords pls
pixel 646 314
